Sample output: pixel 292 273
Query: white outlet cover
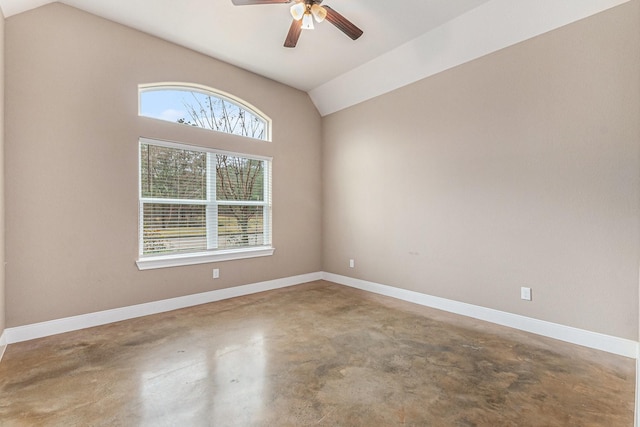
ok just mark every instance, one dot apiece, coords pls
pixel 525 293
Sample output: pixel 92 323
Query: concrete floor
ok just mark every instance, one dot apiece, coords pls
pixel 314 354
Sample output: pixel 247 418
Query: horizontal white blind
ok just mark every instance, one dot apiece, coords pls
pixel 173 228
pixel 169 173
pixel 194 200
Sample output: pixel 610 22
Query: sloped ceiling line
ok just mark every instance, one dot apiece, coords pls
pixel 481 31
pixel 463 31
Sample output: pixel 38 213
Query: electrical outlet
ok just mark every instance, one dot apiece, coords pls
pixel 525 293
pixel 216 273
pixel 352 263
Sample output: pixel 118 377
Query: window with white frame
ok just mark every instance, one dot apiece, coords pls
pixel 201 205
pixel 203 107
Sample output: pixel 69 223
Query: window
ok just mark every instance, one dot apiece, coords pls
pixel 199 205
pixel 203 107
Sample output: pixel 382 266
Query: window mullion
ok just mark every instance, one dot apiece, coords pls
pixel 172 201
pixel 241 203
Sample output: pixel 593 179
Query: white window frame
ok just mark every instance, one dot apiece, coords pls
pixel 149 87
pixel 145 262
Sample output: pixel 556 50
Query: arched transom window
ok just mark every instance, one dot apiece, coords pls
pixel 203 107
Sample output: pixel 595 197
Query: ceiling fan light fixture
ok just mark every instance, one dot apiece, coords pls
pixel 318 12
pixel 297 11
pixel 307 21
pixel 304 12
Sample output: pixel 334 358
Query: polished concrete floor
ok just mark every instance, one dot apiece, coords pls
pixel 314 354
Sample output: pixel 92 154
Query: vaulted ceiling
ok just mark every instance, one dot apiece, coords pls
pixel 402 42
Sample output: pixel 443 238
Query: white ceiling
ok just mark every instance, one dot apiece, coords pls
pixel 251 37
pixel 326 63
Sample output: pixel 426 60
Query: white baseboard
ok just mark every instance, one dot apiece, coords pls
pixel 611 344
pixel 608 343
pixel 3 344
pixel 74 323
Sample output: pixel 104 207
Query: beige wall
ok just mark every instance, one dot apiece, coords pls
pixel 71 151
pixel 2 257
pixel 518 169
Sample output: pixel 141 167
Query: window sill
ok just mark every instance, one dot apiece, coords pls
pixel 163 261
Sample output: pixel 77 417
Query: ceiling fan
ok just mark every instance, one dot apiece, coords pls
pixel 304 12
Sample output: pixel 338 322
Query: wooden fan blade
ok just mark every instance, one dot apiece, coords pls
pixel 342 23
pixel 294 34
pixel 250 2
